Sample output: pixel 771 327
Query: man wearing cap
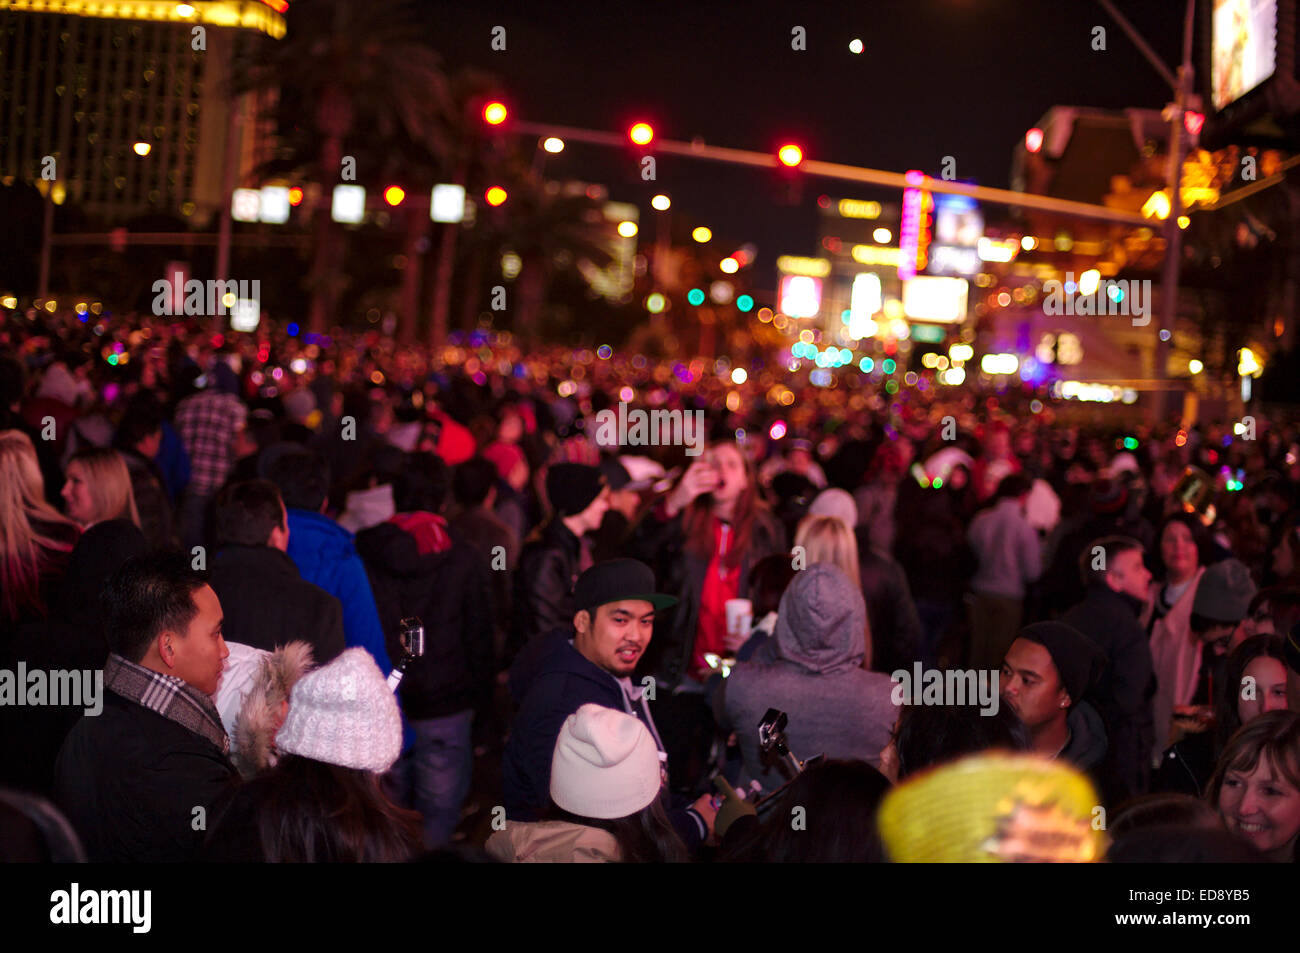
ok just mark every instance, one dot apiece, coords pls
pixel 1045 675
pixel 614 610
pixel 557 553
pixel 1188 667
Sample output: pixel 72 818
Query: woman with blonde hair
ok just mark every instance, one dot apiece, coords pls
pixel 35 539
pixel 828 539
pixel 98 488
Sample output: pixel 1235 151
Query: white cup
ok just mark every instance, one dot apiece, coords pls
pixel 740 616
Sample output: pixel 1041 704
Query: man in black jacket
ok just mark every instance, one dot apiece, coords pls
pixel 557 554
pixel 592 662
pixel 267 603
pixel 137 780
pixel 1117 583
pixel 417 569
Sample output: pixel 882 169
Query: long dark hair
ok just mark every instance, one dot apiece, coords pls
pixel 312 812
pixel 835 803
pixel 646 837
pixel 1227 720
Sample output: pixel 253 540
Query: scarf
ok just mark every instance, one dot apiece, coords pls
pixel 167 695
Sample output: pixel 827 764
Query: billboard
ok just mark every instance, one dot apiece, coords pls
pixel 1243 47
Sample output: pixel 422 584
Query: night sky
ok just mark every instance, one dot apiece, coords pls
pixel 964 78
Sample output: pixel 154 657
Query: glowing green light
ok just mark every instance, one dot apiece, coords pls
pixel 938 483
pixel 891 387
pixel 867 365
pixel 745 304
pixel 889 367
pixel 695 296
pixel 1130 443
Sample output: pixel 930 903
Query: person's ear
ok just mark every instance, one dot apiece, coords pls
pixel 1064 698
pixel 167 648
pixel 582 620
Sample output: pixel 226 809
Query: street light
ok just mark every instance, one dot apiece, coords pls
pixel 702 234
pixel 661 203
pixel 553 145
pixel 627 229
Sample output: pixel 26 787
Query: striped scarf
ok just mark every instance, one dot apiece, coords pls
pixel 169 696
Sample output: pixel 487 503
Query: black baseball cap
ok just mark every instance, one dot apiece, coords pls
pixel 615 580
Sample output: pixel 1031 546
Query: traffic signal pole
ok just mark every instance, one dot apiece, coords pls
pixel 844 173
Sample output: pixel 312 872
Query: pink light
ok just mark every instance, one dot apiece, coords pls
pixel 1193 121
pixel 1034 139
pixel 777 431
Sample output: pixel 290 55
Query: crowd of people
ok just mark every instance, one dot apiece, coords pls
pixel 353 601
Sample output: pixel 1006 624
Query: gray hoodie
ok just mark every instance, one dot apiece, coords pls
pixel 835 707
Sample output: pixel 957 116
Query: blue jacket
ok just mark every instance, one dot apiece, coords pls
pixel 551 680
pixel 327 557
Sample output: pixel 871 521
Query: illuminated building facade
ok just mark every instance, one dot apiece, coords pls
pixel 124 107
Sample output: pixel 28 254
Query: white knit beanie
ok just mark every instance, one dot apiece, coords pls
pixel 344 713
pixel 606 764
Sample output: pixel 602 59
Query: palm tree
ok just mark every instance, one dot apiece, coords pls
pixel 353 79
pixel 549 229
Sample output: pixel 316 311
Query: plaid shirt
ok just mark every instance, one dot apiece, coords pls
pixel 169 696
pixel 208 422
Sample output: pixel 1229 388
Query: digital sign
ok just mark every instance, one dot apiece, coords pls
pixel 1243 47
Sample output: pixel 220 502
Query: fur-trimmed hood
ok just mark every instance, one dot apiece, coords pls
pixel 254 690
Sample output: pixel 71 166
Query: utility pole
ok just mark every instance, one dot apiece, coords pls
pixel 1182 89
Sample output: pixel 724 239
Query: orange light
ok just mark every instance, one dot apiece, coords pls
pixel 295 196
pixel 790 155
pixel 495 196
pixel 394 194
pixel 494 113
pixel 641 133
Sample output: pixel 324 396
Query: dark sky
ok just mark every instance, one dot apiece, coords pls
pixel 964 78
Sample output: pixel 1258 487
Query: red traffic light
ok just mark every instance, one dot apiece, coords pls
pixel 641 133
pixel 494 113
pixel 790 155
pixel 394 195
pixel 495 196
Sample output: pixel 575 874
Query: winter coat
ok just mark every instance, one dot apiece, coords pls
pixel 1176 658
pixel 255 688
pixel 267 603
pixel 1124 691
pixel 129 781
pixel 543 600
pixel 479 529
pixel 552 842
pixel 70 639
pixel 326 556
pixel 835 708
pixel 449 592
pixel 150 501
pixel 895 626
pixel 680 572
pixel 550 681
pixel 1187 765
